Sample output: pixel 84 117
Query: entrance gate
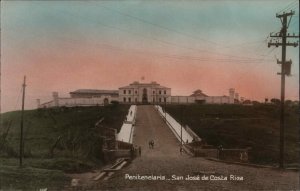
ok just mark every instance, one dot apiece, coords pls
pixel 145 96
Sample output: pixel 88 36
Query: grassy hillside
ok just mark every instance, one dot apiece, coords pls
pixel 58 139
pixel 238 126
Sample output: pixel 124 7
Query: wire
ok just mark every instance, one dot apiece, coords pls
pixel 160 26
pixel 18 99
pixel 288 6
pixel 184 34
pixel 166 42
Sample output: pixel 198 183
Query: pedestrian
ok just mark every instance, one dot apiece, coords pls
pixel 220 152
pixel 152 143
pixel 181 150
pixel 140 150
pixel 149 144
pixel 132 152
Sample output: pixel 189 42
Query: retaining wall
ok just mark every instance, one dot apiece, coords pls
pixel 127 129
pixel 175 126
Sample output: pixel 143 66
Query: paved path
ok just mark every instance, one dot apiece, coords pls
pixel 166 160
pixel 150 126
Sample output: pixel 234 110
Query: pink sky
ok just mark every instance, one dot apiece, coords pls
pixel 59 52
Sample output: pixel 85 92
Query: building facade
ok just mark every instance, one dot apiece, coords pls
pixel 145 93
pixel 81 98
pixel 199 97
pixel 90 93
pixel 136 93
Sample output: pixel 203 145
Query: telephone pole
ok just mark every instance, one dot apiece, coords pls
pixel 285 19
pixel 22 124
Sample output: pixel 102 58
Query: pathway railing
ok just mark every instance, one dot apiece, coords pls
pixel 127 129
pixel 176 127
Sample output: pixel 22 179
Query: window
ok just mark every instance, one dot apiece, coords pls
pixel 165 99
pixel 129 100
pixel 159 99
pixel 165 92
pixel 135 92
pixel 124 99
pixel 159 91
pixel 125 92
pixel 135 100
pixel 153 99
pixel 129 91
pixel 153 92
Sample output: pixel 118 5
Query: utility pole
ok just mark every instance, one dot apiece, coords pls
pixel 285 70
pixel 0 81
pixel 22 124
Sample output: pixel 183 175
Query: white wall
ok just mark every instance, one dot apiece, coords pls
pixel 182 99
pixel 71 102
pixel 217 100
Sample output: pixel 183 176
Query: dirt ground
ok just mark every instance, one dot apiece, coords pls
pixel 171 168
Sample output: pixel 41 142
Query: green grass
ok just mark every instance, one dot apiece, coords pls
pixel 28 178
pixel 78 149
pixel 238 126
pixel 76 126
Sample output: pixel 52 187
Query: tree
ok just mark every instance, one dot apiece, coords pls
pixel 247 101
pixel 275 101
pixel 255 102
pixel 288 102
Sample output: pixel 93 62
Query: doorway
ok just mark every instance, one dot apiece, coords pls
pixel 145 96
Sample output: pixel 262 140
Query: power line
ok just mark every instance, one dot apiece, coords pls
pixel 169 43
pixel 168 56
pixel 288 6
pixel 160 26
pixel 159 40
pixel 178 32
pixel 18 99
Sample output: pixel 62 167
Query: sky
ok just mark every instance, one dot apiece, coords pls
pixel 185 45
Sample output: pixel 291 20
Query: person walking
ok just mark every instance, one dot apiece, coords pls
pixel 181 150
pixel 140 150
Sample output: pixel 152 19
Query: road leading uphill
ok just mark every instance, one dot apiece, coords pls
pixel 164 168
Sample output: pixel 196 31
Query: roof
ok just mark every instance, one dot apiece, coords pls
pixel 199 93
pixel 94 91
pixel 137 84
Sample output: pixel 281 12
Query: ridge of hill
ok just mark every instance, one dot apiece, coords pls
pixel 241 126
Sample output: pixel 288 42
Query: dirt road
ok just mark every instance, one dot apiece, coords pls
pixel 150 126
pixel 165 163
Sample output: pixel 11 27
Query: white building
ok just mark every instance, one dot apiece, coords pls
pixel 144 93
pixel 136 93
pixel 80 98
pixel 199 97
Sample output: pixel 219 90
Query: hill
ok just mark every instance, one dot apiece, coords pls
pixel 239 126
pixel 63 139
